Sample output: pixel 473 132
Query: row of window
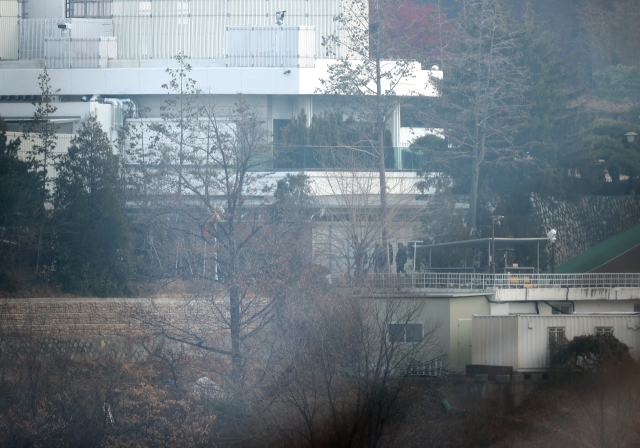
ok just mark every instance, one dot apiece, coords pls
pixel 413 332
pixel 557 335
pixel 566 309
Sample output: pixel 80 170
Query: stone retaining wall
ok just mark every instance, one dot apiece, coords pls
pixel 85 328
pixel 585 222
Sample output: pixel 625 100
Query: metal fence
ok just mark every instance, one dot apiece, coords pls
pixel 84 52
pixel 8 29
pixel 33 33
pixel 485 282
pixel 432 368
pixel 271 46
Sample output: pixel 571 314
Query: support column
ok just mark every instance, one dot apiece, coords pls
pixel 394 128
pixel 270 116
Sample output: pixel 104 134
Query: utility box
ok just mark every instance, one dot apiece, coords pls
pixel 84 52
pixel 271 46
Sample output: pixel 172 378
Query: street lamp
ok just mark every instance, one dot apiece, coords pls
pixel 631 136
pixel 494 220
pixel 552 238
pixel 414 252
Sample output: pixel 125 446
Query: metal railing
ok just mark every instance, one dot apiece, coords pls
pixel 432 368
pixel 489 282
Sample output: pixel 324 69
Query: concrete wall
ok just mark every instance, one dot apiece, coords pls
pixel 564 294
pixel 461 312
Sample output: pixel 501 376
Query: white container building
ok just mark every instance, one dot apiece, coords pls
pixel 522 341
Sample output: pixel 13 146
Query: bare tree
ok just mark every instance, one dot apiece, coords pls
pixel 347 237
pixel 366 86
pixel 41 132
pixel 339 369
pixel 200 183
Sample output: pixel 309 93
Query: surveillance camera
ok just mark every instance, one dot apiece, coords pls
pixel 64 26
pixel 552 235
pixel 288 72
pixel 280 16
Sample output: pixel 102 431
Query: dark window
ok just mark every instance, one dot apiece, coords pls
pixel 604 330
pixel 411 332
pixel 556 335
pixel 636 308
pixel 96 9
pixel 280 129
pixel 561 309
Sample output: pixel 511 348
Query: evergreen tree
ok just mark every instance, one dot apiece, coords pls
pixel 20 211
pixel 482 103
pixel 94 234
pixel 553 148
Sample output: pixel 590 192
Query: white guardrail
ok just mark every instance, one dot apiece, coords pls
pixel 484 282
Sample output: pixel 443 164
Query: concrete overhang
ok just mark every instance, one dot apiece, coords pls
pixel 211 78
pixel 566 294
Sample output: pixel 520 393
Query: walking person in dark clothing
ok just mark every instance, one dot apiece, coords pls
pixel 401 258
pixel 390 254
pixel 377 258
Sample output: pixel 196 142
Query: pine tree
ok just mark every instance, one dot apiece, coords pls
pixel 93 234
pixel 551 139
pixel 20 211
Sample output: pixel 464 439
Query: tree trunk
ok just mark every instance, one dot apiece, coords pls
pixel 234 327
pixel 475 176
pixel 381 166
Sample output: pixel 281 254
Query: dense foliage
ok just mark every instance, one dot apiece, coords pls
pixel 21 212
pixel 93 236
pixel 590 352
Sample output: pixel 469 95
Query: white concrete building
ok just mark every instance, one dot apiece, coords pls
pixel 121 48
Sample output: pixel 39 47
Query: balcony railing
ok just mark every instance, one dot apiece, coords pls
pixel 490 282
pixel 343 157
pixel 432 368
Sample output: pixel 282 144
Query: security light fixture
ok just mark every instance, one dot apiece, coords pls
pixel 280 16
pixel 631 136
pixel 495 220
pixel 552 238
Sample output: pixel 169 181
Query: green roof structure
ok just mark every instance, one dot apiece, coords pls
pixel 617 253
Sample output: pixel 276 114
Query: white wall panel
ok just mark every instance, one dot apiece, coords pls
pixel 83 52
pixel 160 29
pixel 63 143
pixel 270 46
pixel 208 23
pixel 495 341
pixel 34 31
pixel 8 29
